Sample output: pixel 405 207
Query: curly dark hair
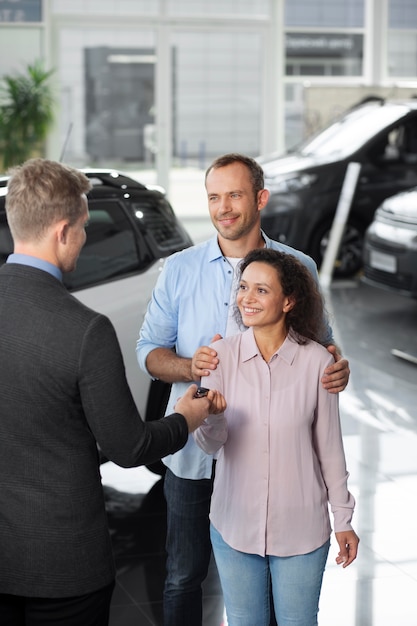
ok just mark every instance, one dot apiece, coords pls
pixel 305 321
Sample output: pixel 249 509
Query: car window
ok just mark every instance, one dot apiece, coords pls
pixel 6 241
pixel 352 131
pixel 110 250
pixel 398 145
pixel 160 223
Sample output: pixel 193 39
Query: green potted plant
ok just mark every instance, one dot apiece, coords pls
pixel 26 114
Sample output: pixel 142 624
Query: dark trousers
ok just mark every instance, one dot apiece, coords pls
pixel 188 548
pixel 91 609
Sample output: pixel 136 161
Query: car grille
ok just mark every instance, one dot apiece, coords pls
pixel 397 281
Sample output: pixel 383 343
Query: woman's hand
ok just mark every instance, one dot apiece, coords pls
pixel 348 543
pixel 204 360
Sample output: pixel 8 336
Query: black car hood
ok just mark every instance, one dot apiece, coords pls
pixel 293 163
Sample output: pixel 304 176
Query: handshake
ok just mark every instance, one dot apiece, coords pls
pixel 197 403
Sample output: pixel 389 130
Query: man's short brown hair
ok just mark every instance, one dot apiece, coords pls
pixel 40 193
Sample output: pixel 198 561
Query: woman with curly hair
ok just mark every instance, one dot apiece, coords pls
pixel 280 452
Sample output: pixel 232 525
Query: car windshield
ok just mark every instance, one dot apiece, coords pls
pixel 352 131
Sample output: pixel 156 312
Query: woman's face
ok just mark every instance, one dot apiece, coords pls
pixel 260 298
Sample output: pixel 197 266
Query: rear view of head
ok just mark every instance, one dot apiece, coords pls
pixel 305 319
pixel 40 193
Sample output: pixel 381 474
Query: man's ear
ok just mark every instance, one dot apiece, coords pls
pixel 263 197
pixel 61 231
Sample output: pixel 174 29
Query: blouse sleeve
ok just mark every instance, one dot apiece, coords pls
pixel 328 442
pixel 212 434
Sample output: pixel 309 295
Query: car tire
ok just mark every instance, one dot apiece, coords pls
pixel 349 260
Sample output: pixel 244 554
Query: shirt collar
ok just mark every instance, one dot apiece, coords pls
pixel 249 349
pixel 267 240
pixel 33 261
pixel 215 250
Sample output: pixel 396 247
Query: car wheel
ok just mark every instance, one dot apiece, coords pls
pixel 349 258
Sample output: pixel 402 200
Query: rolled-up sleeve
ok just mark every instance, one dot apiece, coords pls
pixel 159 329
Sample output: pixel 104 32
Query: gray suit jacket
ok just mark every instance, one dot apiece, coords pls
pixel 62 389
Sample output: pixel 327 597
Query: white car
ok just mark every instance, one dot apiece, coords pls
pixel 132 227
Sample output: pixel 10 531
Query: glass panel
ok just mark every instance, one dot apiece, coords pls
pixel 402 14
pixel 110 249
pixel 346 135
pixel 205 8
pixel 19 47
pixel 107 97
pixel 217 94
pixel 402 54
pixel 6 241
pixel 105 7
pixel 325 13
pixel 157 218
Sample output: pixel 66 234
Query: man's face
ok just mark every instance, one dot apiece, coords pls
pixel 234 208
pixel 76 238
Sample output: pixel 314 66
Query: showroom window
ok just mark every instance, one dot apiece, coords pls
pixel 402 39
pixel 325 13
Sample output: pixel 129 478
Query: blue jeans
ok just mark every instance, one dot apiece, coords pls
pixel 188 548
pixel 245 579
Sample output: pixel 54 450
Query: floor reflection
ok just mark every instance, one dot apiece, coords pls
pixel 136 511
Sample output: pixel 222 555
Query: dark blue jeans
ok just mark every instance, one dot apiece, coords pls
pixel 188 548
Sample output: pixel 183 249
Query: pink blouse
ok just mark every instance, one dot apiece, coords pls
pixel 281 459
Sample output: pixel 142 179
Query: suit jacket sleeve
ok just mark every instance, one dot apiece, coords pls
pixel 109 407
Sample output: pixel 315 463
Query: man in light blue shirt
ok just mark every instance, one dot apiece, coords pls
pixel 192 304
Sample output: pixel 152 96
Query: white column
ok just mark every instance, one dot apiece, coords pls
pixel 375 50
pixel 273 110
pixel 163 99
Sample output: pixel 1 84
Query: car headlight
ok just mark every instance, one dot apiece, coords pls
pixel 289 184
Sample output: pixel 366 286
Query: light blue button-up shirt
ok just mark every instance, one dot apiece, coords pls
pixel 189 306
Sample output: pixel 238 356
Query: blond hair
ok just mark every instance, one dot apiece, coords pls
pixel 40 193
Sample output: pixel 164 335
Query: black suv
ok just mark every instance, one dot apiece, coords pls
pixel 305 183
pixel 132 227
